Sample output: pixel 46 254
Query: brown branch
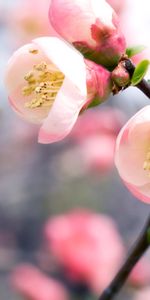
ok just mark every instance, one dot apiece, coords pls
pixel 136 253
pixel 144 86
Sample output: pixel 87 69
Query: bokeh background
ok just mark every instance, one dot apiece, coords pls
pixel 38 182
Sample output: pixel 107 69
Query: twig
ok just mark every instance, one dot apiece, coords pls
pixel 144 86
pixel 136 253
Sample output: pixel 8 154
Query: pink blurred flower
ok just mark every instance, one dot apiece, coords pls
pixel 140 275
pixel 81 242
pixel 29 19
pixel 34 285
pixel 132 156
pixel 95 135
pixel 142 294
pixel 98 121
pixel 49 82
pixel 92 26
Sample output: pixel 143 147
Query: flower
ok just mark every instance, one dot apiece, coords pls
pixel 94 135
pixel 140 275
pixel 132 154
pixel 49 82
pixel 143 294
pixel 27 23
pixel 92 26
pixel 80 241
pixel 34 285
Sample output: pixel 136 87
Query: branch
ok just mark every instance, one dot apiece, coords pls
pixel 143 85
pixel 136 253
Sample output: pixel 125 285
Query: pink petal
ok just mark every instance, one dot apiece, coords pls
pixel 131 148
pixel 63 114
pixel 68 60
pixel 69 14
pixel 142 193
pixel 20 64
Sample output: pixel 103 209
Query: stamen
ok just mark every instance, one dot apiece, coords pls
pixel 33 51
pixel 44 82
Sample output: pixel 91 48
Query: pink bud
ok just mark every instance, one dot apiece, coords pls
pixel 49 82
pixel 132 155
pixel 80 241
pixel 120 75
pixel 34 285
pixel 92 26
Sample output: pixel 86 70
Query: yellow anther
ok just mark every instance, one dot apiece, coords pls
pixel 33 51
pixel 40 67
pixel 146 165
pixel 44 83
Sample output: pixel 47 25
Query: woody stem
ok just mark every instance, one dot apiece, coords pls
pixel 136 253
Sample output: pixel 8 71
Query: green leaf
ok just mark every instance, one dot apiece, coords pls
pixel 140 72
pixel 131 51
pixel 148 81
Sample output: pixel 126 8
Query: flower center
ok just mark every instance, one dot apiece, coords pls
pixel 146 165
pixel 43 82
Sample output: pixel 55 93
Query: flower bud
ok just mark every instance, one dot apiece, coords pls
pixel 120 76
pixel 92 26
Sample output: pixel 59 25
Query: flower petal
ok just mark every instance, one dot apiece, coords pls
pixel 131 148
pixel 142 193
pixel 68 60
pixel 20 64
pixel 63 114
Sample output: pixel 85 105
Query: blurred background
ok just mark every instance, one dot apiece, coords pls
pixel 56 200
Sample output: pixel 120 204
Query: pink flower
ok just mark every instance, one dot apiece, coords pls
pixel 49 82
pixel 92 26
pixel 98 121
pixel 29 19
pixel 140 275
pixel 132 155
pixel 142 295
pixel 95 135
pixel 34 285
pixel 97 152
pixel 80 241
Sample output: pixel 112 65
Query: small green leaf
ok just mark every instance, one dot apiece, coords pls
pixel 148 81
pixel 140 72
pixel 131 51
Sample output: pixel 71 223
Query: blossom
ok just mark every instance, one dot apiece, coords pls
pixel 80 241
pixel 94 136
pixel 34 285
pixel 92 26
pixel 132 155
pixel 27 23
pixel 49 82
pixel 98 121
pixel 140 275
pixel 143 294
